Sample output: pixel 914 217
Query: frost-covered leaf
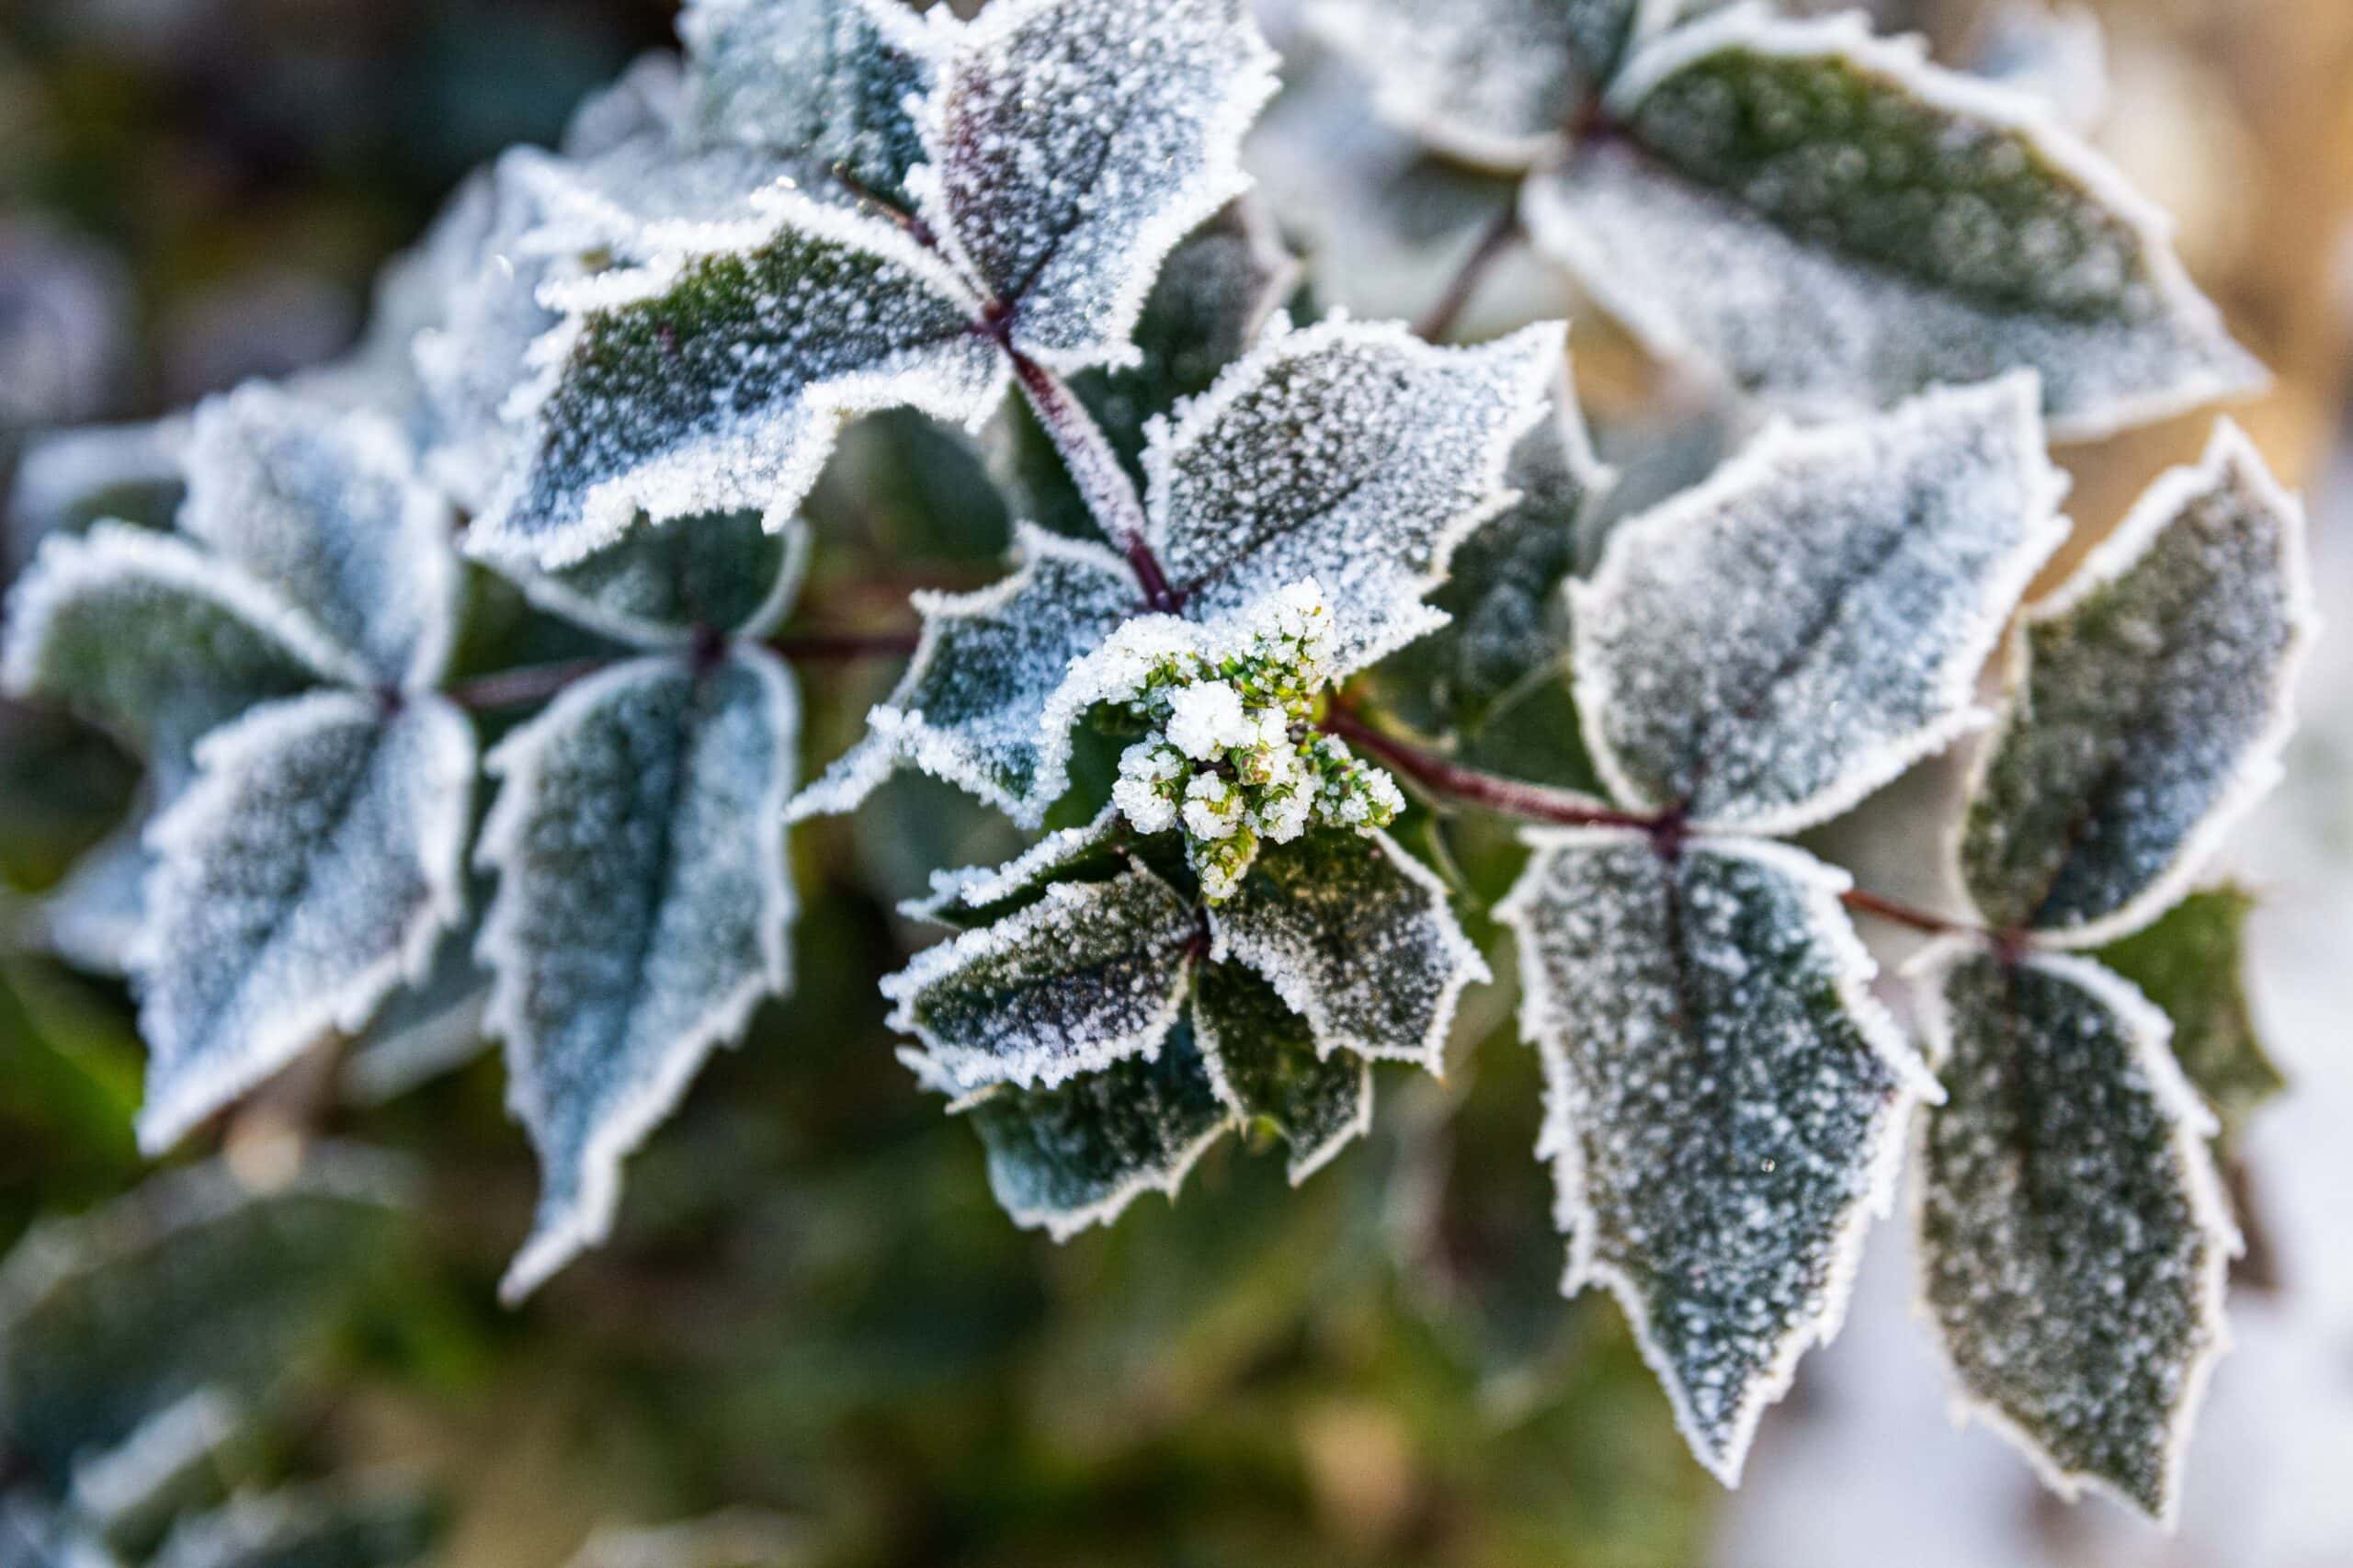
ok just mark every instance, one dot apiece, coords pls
pixel 305 1528
pixel 429 1028
pixel 2151 704
pixel 1067 1157
pixel 1093 973
pixel 1357 936
pixel 93 918
pixel 1351 453
pixel 301 879
pixel 1496 83
pixel 2074 1237
pixel 1772 647
pixel 644 100
pixel 1074 142
pixel 66 480
pixel 643 911
pixel 825 83
pixel 1833 223
pixel 327 508
pixel 978 895
pixel 661 585
pixel 194 1285
pixel 157 642
pixel 1262 1060
pixel 2191 963
pixel 1725 1103
pixel 972 708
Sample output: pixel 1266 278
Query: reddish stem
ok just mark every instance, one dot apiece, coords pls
pixel 1531 802
pixel 1905 914
pixel 1494 240
pixel 1096 469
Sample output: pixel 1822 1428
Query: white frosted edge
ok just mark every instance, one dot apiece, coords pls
pixel 447 794
pixel 2230 457
pixel 2193 1123
pixel 977 887
pixel 519 762
pixel 564 601
pixel 1760 461
pixel 1062 1224
pixel 1403 100
pixel 1303 1162
pixel 967 1069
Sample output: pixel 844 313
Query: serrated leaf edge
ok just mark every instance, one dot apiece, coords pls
pixel 1304 1161
pixel 977 887
pixel 565 603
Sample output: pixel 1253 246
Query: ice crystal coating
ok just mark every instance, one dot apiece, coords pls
pixel 1833 223
pixel 1725 1103
pixel 91 919
pixel 328 509
pixel 299 880
pixel 2074 1237
pixel 661 585
pixel 304 1528
pixel 1768 648
pixel 2150 706
pixel 1492 82
pixel 2190 962
pixel 644 910
pixel 1093 973
pixel 1262 1061
pixel 1074 142
pixel 1357 936
pixel 1351 453
pixel 980 895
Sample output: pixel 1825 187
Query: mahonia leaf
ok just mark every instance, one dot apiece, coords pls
pixel 1726 1103
pixel 980 895
pixel 194 1292
pixel 972 706
pixel 1262 1061
pixel 1833 223
pixel 1073 143
pixel 1064 1158
pixel 301 879
pixel 66 480
pixel 716 376
pixel 158 641
pixel 93 918
pixel 306 1528
pixel 1093 973
pixel 1769 648
pixel 643 911
pixel 1495 83
pixel 663 585
pixel 2074 1237
pixel 1357 936
pixel 328 509
pixel 2150 706
pixel 2190 962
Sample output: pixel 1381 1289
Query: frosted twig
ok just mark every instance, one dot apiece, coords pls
pixel 1096 469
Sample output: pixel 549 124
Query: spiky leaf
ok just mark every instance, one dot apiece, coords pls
pixel 1262 1060
pixel 2191 963
pixel 980 895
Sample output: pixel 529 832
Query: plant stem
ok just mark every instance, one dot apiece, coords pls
pixel 1096 469
pixel 1498 236
pixel 1899 914
pixel 537 683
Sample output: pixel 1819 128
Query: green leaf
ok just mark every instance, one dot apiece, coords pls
pixel 663 585
pixel 2073 1236
pixel 2150 705
pixel 2190 962
pixel 982 895
pixel 1262 1061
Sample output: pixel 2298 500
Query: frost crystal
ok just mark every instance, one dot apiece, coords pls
pixel 2150 707
pixel 662 584
pixel 1833 223
pixel 2074 1237
pixel 643 912
pixel 1262 1061
pixel 1768 648
pixel 1725 1103
pixel 979 894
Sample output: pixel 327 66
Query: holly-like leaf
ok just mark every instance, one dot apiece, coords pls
pixel 158 641
pixel 1262 1061
pixel 978 895
pixel 1093 973
pixel 716 377
pixel 1496 83
pixel 1074 142
pixel 301 879
pixel 311 1527
pixel 1351 453
pixel 643 911
pixel 663 585
pixel 972 706
pixel 327 508
pixel 1772 647
pixel 1832 223
pixel 2074 1237
pixel 2190 962
pixel 194 1286
pixel 1357 936
pixel 1725 1103
pixel 2150 706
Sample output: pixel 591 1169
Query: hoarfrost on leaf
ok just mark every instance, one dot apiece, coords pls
pixel 1262 1060
pixel 1725 1103
pixel 1767 649
pixel 301 878
pixel 2073 1238
pixel 662 584
pixel 1833 223
pixel 979 894
pixel 2151 704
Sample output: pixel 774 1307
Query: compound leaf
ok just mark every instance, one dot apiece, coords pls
pixel 2190 962
pixel 2074 1237
pixel 663 585
pixel 1357 936
pixel 2149 708
pixel 1833 223
pixel 1772 647
pixel 301 878
pixel 643 911
pixel 1726 1103
pixel 1262 1061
